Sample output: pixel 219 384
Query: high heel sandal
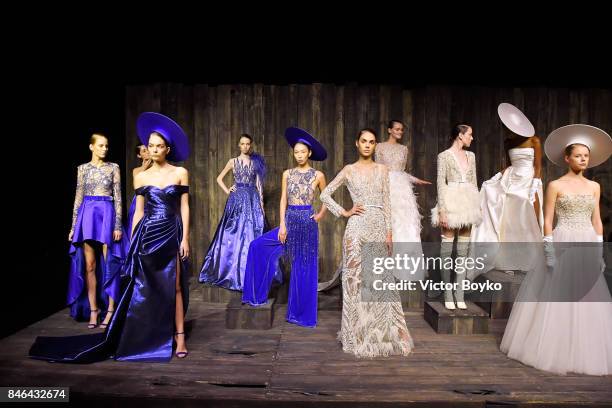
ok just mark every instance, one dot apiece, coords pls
pixel 105 325
pixel 180 354
pixel 94 325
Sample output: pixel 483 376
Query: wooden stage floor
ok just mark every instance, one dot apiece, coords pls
pixel 291 366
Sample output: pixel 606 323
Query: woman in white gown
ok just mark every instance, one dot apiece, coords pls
pixel 405 216
pixel 551 331
pixel 511 200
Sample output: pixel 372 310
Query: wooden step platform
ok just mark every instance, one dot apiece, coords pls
pixel 495 303
pixel 215 294
pixel 245 316
pixel 472 320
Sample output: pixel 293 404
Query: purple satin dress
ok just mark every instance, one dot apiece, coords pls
pixel 142 326
pixel 242 222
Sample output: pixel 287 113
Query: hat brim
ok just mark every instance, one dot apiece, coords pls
pixel 149 122
pixel 296 135
pixel 598 141
pixel 515 120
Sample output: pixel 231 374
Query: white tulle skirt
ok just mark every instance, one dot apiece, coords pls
pixel 562 337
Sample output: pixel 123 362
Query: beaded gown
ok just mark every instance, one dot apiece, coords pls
pixel 242 222
pixel 372 321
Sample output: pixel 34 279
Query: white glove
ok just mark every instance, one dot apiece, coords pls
pixel 600 241
pixel 536 184
pixel 549 251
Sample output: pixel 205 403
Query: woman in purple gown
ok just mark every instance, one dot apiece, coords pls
pixel 242 220
pixel 297 236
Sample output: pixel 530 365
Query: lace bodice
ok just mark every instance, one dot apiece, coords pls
pixel 449 171
pixel 244 173
pixel 299 187
pixel 367 187
pixel 394 156
pixel 98 181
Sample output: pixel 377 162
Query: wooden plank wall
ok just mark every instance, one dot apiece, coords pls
pixel 214 117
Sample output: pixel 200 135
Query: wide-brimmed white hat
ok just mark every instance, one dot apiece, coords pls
pixel 515 120
pixel 598 142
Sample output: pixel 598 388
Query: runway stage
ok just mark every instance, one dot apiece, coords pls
pixel 291 366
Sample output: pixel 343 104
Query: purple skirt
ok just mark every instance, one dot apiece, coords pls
pixel 95 222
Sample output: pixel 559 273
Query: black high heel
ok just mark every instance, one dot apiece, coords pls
pixel 105 325
pixel 94 325
pixel 180 354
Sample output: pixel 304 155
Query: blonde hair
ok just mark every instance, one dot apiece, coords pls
pixel 94 137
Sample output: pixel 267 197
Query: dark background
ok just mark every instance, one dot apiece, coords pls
pixel 214 115
pixel 54 111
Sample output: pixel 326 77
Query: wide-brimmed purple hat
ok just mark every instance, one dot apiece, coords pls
pixel 149 122
pixel 296 135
